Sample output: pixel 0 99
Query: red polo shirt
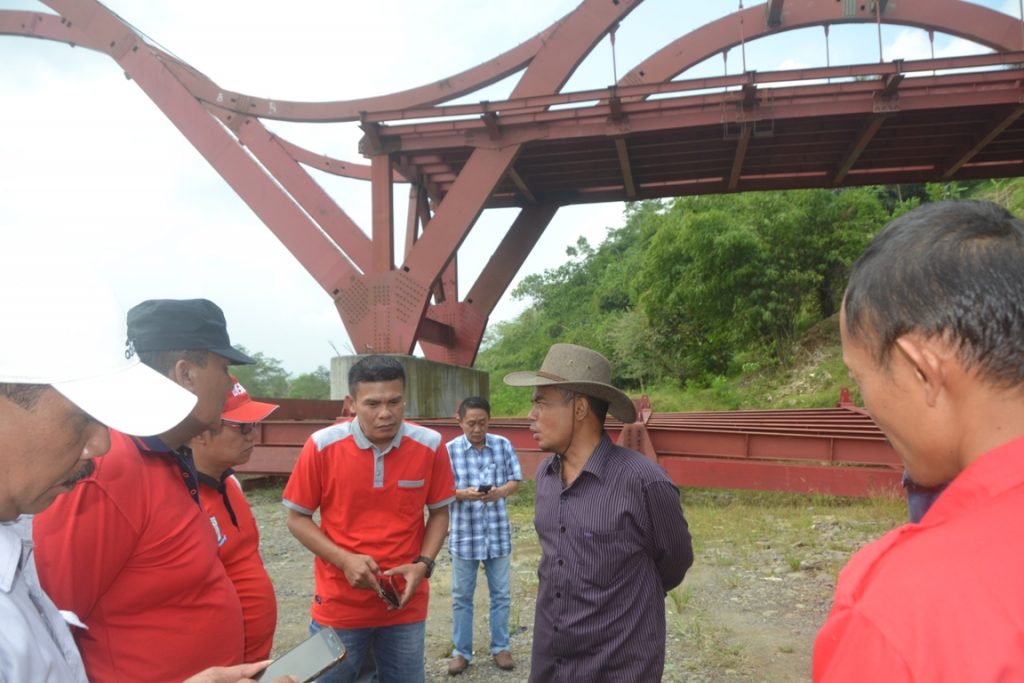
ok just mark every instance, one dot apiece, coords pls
pixel 238 540
pixel 942 600
pixel 371 503
pixel 131 553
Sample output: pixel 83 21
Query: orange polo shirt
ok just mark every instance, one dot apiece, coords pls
pixel 371 503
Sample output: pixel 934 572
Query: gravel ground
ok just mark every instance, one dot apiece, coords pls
pixel 748 610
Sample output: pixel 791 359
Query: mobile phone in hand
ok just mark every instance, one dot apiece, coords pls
pixel 307 660
pixel 391 588
pixel 484 488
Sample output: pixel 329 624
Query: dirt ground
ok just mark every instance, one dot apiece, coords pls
pixel 748 610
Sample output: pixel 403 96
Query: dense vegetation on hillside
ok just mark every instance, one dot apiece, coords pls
pixel 713 302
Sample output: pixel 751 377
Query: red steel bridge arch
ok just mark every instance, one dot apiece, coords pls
pixel 648 136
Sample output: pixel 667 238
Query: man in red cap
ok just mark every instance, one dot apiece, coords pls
pixel 216 452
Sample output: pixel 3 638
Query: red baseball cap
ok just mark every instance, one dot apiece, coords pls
pixel 239 406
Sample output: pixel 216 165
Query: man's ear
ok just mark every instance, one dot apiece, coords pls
pixel 581 407
pixel 183 373
pixel 927 358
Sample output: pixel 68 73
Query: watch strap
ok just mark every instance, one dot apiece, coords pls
pixel 427 561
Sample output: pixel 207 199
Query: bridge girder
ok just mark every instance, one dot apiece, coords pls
pixel 391 307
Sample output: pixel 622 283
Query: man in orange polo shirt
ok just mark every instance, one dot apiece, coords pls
pixel 216 451
pixel 371 478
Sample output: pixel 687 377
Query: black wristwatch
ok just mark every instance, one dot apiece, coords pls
pixel 427 561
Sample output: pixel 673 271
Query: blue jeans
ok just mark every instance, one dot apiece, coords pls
pixel 397 649
pixel 464 574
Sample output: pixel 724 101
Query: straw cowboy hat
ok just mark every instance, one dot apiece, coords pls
pixel 578 369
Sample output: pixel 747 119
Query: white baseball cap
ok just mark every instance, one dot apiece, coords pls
pixel 62 326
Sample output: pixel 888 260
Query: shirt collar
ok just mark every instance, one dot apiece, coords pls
pixel 217 484
pixel 13 539
pixel 991 474
pixel 363 442
pixel 596 464
pixel 487 442
pixel 151 444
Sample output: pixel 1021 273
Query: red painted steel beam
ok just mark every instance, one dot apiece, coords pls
pixel 440 90
pixel 868 133
pixel 741 154
pixel 768 476
pixel 756 460
pixel 975 23
pixel 510 255
pixel 622 150
pixel 383 214
pixel 773 13
pixel 276 158
pixel 985 136
pixel 141 63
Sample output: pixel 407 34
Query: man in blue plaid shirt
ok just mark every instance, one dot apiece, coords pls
pixel 486 471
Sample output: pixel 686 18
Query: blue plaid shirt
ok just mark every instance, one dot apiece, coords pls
pixel 481 531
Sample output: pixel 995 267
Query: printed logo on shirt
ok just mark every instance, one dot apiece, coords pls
pixel 221 538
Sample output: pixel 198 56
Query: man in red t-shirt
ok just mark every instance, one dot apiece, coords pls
pixel 130 550
pixel 932 326
pixel 216 451
pixel 371 479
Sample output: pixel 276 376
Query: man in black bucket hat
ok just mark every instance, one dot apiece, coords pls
pixel 611 529
pixel 130 551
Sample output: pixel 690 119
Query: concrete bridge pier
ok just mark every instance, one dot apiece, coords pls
pixel 433 389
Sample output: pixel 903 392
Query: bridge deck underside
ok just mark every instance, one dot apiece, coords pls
pixel 881 130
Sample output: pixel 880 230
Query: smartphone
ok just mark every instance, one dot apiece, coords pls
pixel 308 659
pixel 391 588
pixel 484 488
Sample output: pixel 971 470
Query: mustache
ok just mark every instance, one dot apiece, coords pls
pixel 81 474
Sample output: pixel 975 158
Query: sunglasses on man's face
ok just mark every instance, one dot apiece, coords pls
pixel 242 427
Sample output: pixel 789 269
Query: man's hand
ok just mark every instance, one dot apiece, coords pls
pixel 242 673
pixel 470 494
pixel 495 494
pixel 360 570
pixel 413 574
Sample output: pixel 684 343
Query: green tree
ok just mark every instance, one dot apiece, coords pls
pixel 266 377
pixel 316 384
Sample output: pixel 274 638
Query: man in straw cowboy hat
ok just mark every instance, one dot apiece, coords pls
pixel 611 529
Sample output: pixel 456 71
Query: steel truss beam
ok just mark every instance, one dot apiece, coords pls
pixel 466 158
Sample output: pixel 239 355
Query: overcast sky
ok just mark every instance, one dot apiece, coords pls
pixel 90 166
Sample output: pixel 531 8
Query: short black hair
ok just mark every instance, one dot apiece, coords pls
pixel 375 368
pixel 164 361
pixel 24 395
pixel 474 402
pixel 598 406
pixel 954 270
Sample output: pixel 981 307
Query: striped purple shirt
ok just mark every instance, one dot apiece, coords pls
pixel 613 543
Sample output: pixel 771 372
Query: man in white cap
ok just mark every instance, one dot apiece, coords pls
pixel 64 374
pixel 131 551
pixel 613 537
pixel 216 452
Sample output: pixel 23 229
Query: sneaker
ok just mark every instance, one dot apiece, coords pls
pixel 504 660
pixel 457 665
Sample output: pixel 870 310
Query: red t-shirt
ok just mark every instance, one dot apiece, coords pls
pixel 942 600
pixel 238 547
pixel 131 553
pixel 370 504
